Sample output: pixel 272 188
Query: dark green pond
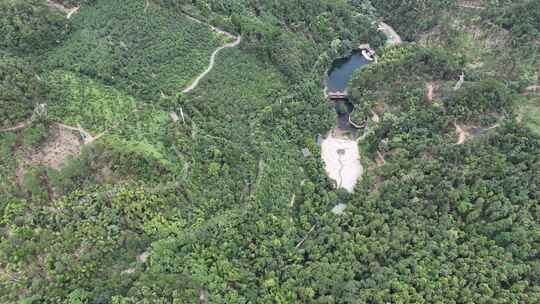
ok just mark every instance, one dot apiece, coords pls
pixel 342 71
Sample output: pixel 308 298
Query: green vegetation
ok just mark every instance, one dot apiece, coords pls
pixel 531 114
pixel 412 17
pixel 521 17
pixel 296 36
pixel 207 196
pixel 81 100
pixel 482 98
pixel 20 90
pixel 141 52
pixel 28 26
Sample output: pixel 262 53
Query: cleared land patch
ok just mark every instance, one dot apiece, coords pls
pixel 61 144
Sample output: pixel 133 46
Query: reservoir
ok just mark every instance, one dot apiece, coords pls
pixel 342 71
pixel 339 150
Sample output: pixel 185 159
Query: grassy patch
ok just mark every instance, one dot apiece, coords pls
pixel 80 100
pixel 531 114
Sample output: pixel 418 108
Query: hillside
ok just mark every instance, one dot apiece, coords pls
pixel 167 151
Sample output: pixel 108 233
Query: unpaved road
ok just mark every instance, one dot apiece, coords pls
pixel 19 126
pixel 195 83
pixel 88 138
pixel 393 37
pixel 236 42
pixel 462 134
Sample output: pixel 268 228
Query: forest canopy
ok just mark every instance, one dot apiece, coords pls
pixel 118 185
pixel 29 26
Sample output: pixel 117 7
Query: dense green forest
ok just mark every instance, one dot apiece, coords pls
pixel 116 187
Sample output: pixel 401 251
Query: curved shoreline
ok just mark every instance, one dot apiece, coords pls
pixel 336 148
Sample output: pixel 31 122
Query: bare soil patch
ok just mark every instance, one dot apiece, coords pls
pixel 430 88
pixel 62 144
pixel 462 134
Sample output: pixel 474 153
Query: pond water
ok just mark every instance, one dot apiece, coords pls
pixel 342 71
pixel 339 152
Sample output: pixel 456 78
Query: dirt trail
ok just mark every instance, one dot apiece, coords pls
pixel 60 7
pixel 466 132
pixel 470 4
pixel 19 171
pixel 236 42
pixel 429 95
pixel 146 5
pixel 18 126
pixel 380 159
pixel 462 134
pixel 391 34
pixel 532 89
pixel 375 117
pixel 87 137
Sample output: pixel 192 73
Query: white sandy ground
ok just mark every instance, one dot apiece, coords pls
pixel 342 161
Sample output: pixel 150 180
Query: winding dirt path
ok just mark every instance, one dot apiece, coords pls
pixel 235 43
pixel 461 133
pixel 391 34
pixel 18 126
pixel 68 11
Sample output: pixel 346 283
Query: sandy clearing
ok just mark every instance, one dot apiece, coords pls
pixel 342 161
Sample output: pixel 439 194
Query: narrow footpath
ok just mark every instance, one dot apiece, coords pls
pixel 195 83
pixel 236 42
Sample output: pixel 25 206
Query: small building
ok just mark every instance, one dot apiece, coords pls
pixel 306 152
